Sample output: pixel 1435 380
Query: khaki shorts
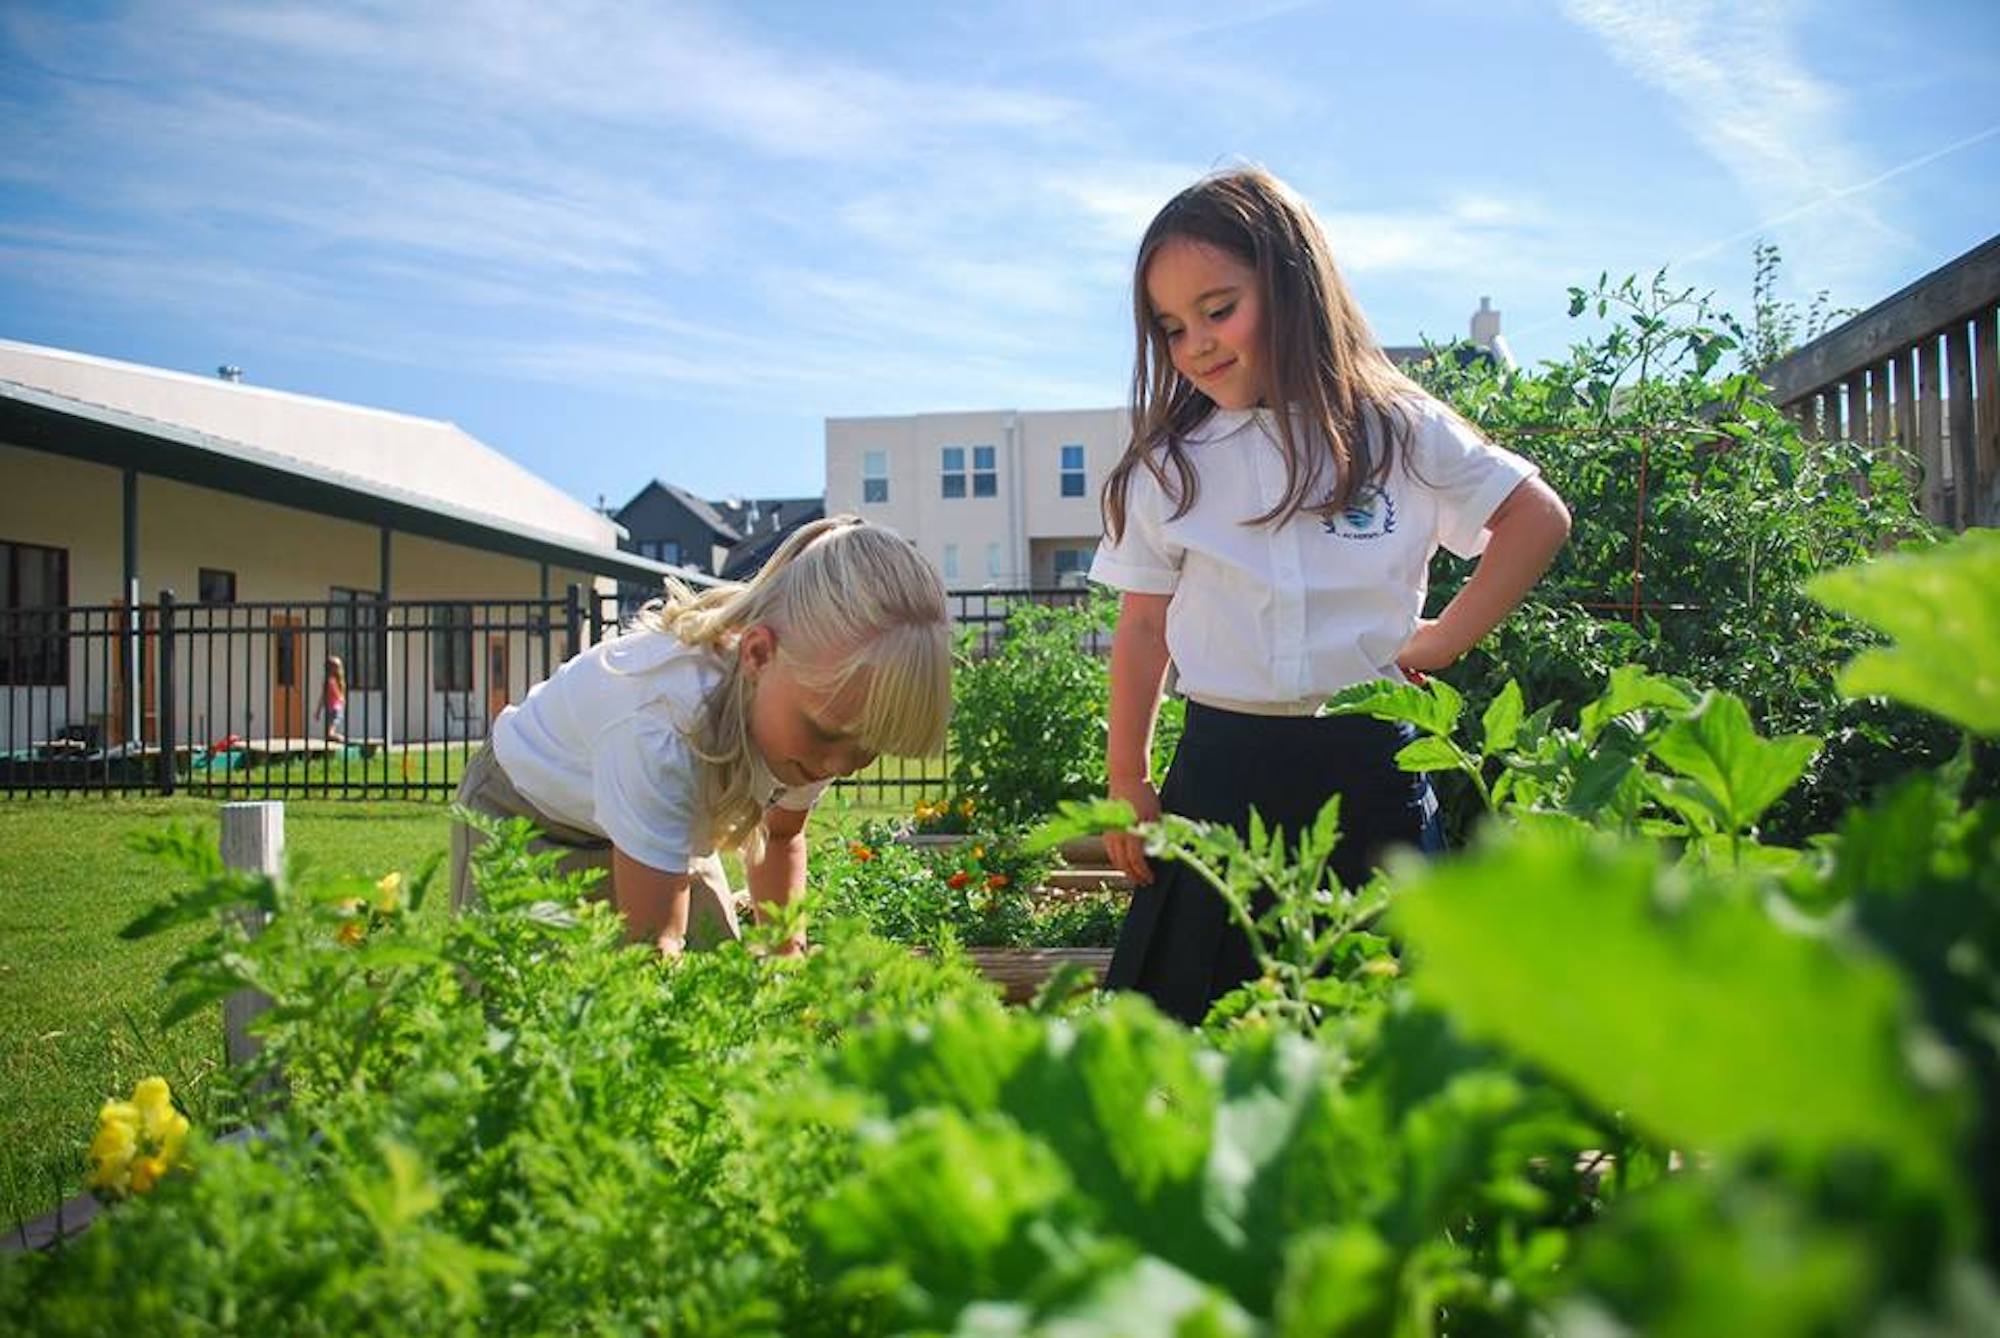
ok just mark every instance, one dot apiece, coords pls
pixel 486 789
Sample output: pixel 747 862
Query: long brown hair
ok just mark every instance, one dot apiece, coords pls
pixel 1325 366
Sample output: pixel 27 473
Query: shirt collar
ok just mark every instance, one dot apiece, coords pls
pixel 1225 423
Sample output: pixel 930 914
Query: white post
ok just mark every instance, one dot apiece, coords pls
pixel 253 839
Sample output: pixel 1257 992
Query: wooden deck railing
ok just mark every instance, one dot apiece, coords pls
pixel 1917 374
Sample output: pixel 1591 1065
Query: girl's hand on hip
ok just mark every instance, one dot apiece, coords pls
pixel 1128 852
pixel 1426 651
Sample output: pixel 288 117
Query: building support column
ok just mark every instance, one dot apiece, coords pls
pixel 389 703
pixel 134 645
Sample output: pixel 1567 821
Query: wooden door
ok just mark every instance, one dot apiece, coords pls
pixel 496 674
pixel 288 678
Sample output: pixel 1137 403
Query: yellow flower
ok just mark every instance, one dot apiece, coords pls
pixel 136 1141
pixel 979 852
pixel 965 808
pixel 389 893
pixel 146 1172
pixel 156 1107
pixel 351 932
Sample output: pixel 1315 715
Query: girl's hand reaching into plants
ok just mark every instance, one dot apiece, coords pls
pixel 1128 852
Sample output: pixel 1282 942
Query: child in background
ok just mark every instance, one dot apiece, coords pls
pixel 333 701
pixel 1271 527
pixel 716 721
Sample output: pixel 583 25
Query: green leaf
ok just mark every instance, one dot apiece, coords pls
pixel 1739 773
pixel 1076 818
pixel 220 893
pixel 1942 609
pixel 1338 1280
pixel 1632 688
pixel 1672 996
pixel 1433 708
pixel 1501 724
pixel 1430 753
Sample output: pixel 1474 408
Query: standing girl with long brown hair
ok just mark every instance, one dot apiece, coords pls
pixel 1271 527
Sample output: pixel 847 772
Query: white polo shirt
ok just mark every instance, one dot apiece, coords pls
pixel 1284 616
pixel 601 745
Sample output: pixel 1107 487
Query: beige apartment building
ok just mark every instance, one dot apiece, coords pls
pixel 997 500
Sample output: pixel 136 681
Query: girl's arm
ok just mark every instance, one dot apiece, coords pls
pixel 780 876
pixel 654 902
pixel 1138 666
pixel 1527 530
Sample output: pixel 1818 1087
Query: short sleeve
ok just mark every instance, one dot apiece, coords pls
pixel 1468 475
pixel 1143 560
pixel 643 792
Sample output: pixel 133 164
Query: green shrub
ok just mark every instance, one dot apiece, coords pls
pixel 1028 718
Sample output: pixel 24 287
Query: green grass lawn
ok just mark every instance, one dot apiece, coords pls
pixel 78 1004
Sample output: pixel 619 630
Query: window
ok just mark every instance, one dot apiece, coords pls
pixel 951 471
pixel 1072 470
pixel 355 633
pixel 34 584
pixel 951 562
pixel 993 562
pixel 985 482
pixel 451 648
pixel 1072 566
pixel 216 586
pixel 874 476
pixel 661 550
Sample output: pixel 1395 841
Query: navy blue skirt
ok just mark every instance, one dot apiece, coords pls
pixel 1178 945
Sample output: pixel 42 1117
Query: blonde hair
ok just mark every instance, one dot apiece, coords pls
pixel 845 598
pixel 1324 363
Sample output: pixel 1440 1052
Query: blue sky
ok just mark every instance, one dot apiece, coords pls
pixel 626 240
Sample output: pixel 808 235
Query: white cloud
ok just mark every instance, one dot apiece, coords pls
pixel 1738 81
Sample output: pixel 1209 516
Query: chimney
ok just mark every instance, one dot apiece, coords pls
pixel 1485 324
pixel 229 371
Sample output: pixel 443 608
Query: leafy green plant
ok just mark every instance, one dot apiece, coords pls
pixel 1028 718
pixel 982 892
pixel 1700 515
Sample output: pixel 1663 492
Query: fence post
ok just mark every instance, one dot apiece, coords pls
pixel 572 622
pixel 164 686
pixel 253 840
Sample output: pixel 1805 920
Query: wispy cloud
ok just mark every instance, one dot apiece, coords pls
pixel 1738 80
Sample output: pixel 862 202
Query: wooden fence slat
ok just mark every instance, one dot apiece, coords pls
pixel 1906 413
pixel 1857 408
pixel 1880 426
pixel 1962 440
pixel 1930 432
pixel 1986 362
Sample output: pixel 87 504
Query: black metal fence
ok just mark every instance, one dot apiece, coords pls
pixel 231 700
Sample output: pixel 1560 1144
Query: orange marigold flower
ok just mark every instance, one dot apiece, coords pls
pixel 994 882
pixel 958 880
pixel 860 852
pixel 351 932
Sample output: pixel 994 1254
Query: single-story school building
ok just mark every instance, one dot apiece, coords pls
pixel 288 530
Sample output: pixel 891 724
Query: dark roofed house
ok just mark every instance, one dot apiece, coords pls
pixel 763 522
pixel 672 525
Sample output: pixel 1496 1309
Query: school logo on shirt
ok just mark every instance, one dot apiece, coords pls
pixel 1370 514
